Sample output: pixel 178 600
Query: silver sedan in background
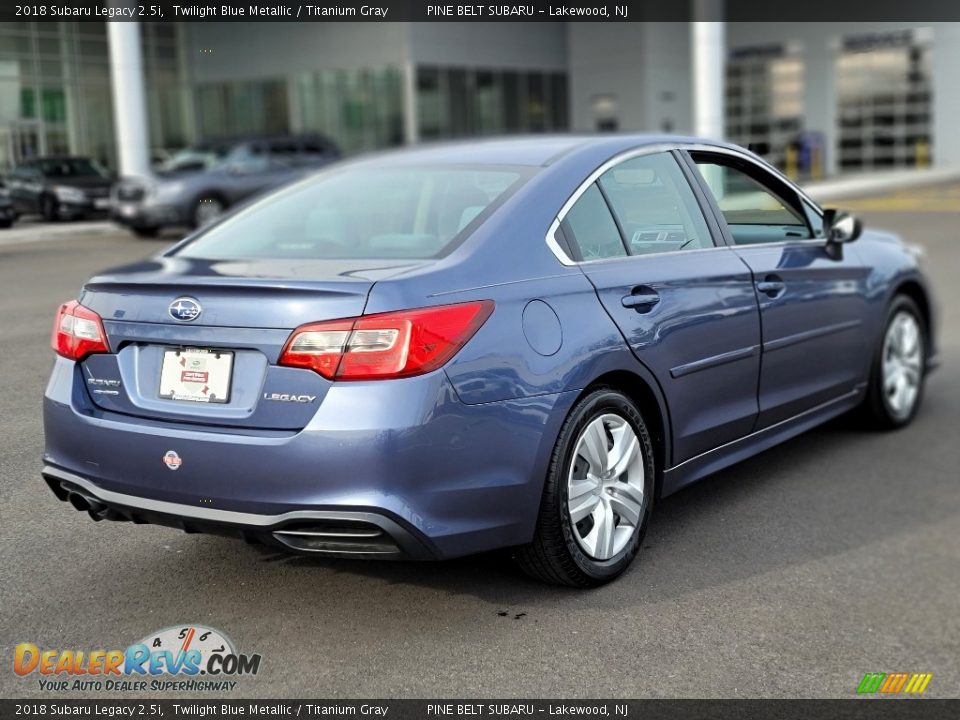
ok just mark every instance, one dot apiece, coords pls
pixel 198 184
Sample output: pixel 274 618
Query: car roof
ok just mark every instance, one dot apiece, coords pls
pixel 532 150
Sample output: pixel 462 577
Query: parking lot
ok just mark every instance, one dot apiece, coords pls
pixel 790 575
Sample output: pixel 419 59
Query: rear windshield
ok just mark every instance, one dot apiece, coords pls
pixel 363 212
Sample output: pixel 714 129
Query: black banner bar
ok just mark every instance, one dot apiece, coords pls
pixel 854 709
pixel 443 11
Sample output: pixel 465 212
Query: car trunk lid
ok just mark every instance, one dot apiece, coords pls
pixel 247 310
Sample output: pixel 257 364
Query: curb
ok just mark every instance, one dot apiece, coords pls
pixel 873 184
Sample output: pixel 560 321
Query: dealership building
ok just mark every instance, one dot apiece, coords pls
pixel 815 98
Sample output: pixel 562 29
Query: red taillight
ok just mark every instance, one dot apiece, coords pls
pixel 78 332
pixel 389 345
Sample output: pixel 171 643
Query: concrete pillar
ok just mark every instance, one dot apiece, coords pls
pixel 707 62
pixel 129 98
pixel 820 94
pixel 411 115
pixel 946 98
pixel 185 56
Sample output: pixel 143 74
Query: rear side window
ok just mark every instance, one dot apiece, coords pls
pixel 284 152
pixel 592 229
pixel 655 206
pixel 363 212
pixel 283 148
pixel 68 168
pixel 248 159
pixel 317 147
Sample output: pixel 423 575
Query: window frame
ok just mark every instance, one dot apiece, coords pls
pixel 570 236
pixel 566 249
pixel 719 230
pixel 698 202
pixel 770 179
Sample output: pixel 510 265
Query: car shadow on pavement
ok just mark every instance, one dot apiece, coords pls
pixel 830 491
pixel 807 499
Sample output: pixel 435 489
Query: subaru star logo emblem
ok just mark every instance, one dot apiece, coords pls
pixel 184 309
pixel 172 460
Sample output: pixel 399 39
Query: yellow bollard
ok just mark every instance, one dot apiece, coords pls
pixel 790 162
pixel 816 164
pixel 922 153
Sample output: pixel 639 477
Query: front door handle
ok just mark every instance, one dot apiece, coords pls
pixel 771 285
pixel 642 299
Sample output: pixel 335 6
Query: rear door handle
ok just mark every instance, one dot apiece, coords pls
pixel 771 285
pixel 641 299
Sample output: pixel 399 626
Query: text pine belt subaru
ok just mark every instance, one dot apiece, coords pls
pixel 511 343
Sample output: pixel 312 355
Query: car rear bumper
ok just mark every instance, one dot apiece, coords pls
pixel 337 533
pixel 404 454
pixel 146 215
pixel 87 209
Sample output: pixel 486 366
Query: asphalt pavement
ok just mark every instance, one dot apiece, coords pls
pixel 789 575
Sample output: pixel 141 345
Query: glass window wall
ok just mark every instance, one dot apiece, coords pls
pixel 885 100
pixel 467 102
pixel 764 102
pixel 55 90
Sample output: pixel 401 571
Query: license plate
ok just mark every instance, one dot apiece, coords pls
pixel 101 203
pixel 196 375
pixel 128 210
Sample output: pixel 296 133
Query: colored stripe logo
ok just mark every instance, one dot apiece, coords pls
pixel 893 683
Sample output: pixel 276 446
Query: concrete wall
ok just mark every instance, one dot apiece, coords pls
pixel 946 94
pixel 518 46
pixel 249 51
pixel 668 103
pixel 245 51
pixel 646 66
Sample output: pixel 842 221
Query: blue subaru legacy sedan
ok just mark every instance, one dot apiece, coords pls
pixel 513 343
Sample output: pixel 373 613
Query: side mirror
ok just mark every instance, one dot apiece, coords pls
pixel 840 227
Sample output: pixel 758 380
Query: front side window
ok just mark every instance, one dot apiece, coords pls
pixel 199 157
pixel 755 211
pixel 655 206
pixel 246 159
pixel 363 212
pixel 815 218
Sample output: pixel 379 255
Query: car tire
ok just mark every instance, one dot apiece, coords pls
pixel 898 370
pixel 207 209
pixel 48 208
pixel 145 231
pixel 562 551
pixel 5 224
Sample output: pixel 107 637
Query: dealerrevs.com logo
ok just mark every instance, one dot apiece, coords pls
pixel 894 683
pixel 185 658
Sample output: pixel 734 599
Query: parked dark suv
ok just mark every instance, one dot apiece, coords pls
pixel 196 185
pixel 60 188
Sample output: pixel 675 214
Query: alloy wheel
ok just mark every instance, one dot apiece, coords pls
pixel 902 363
pixel 605 486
